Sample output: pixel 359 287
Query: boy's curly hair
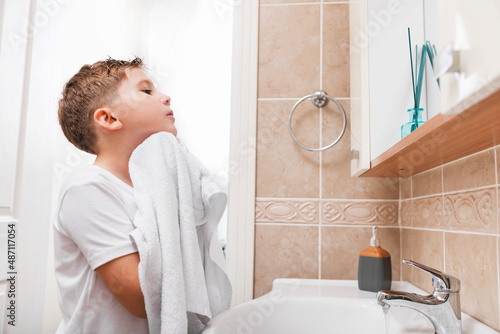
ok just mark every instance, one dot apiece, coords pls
pixel 93 87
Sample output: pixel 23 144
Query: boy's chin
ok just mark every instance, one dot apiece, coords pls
pixel 172 131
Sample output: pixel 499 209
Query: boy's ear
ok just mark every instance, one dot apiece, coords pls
pixel 105 118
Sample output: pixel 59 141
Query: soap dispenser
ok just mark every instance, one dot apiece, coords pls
pixel 374 270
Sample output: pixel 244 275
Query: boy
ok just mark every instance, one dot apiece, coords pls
pixel 107 109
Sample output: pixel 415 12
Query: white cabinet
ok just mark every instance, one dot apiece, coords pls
pixel 472 29
pixel 381 76
pixel 381 83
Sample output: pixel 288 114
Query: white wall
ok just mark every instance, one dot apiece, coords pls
pixel 190 54
pixel 25 153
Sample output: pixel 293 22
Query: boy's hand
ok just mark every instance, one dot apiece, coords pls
pixel 121 276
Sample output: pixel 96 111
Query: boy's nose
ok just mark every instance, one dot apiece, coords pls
pixel 165 100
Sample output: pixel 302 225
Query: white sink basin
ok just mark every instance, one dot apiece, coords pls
pixel 300 306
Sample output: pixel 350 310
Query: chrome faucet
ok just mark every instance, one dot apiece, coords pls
pixel 442 307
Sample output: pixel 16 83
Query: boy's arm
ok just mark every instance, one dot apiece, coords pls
pixel 121 276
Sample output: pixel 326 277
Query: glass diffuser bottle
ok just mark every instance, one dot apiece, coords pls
pixel 415 121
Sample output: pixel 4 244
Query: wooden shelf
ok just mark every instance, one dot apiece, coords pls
pixel 442 139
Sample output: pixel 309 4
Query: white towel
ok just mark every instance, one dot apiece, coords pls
pixel 182 267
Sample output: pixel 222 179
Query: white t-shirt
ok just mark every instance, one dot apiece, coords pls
pixel 92 227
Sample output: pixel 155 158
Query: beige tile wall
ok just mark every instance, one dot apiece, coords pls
pixel 449 218
pixel 312 218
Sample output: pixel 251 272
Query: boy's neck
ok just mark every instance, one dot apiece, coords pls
pixel 116 165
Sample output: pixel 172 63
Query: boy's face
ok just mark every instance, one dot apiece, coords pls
pixel 142 110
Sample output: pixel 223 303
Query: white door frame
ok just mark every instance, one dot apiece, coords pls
pixel 26 181
pixel 242 155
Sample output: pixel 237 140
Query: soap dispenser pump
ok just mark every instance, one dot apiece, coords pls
pixel 374 269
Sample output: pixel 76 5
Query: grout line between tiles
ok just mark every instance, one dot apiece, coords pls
pixel 307 3
pixel 444 233
pixel 320 87
pixel 452 192
pixel 319 250
pixel 498 205
pixel 496 180
pixel 274 223
pixel 400 253
pixel 444 251
pixel 320 155
pixel 361 225
pixel 339 2
pixel 498 275
pixel 285 199
pixel 289 4
pixel 295 98
pixel 498 230
pixel 410 273
pixel 450 231
pixel 320 133
pixel 320 192
pixel 400 233
pixel 411 187
pixel 400 189
pixel 356 200
pixel 469 190
pixel 444 221
pixel 324 199
pixel 278 98
pixel 411 204
pixel 496 165
pixel 442 179
pixel 321 47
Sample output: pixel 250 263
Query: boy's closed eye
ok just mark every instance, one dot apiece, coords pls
pixel 146 86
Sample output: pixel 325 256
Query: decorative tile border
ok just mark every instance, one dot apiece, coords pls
pixel 406 213
pixel 471 211
pixel 428 212
pixel 286 211
pixel 360 212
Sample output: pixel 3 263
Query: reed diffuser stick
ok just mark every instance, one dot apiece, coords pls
pixel 411 66
pixel 420 75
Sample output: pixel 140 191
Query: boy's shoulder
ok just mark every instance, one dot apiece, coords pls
pixel 95 188
pixel 85 176
pixel 92 177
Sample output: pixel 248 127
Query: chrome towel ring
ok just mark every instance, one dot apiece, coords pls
pixel 319 99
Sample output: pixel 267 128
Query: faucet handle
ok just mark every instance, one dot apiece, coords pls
pixel 441 281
